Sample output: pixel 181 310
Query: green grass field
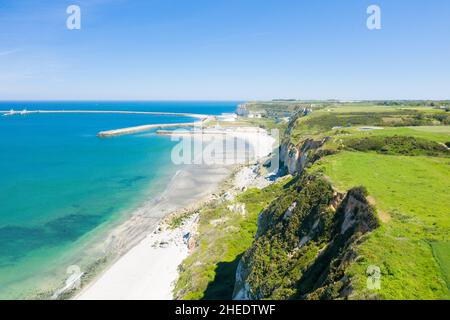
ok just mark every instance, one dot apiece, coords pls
pixel 408 184
pixel 369 107
pixel 412 199
pixel 441 251
pixel 321 122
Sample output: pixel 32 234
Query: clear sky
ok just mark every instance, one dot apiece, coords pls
pixel 224 50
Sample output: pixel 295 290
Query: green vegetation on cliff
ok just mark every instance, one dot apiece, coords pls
pixel 406 172
pixel 304 243
pixel 209 272
pixel 412 198
pixel 397 145
pixel 371 190
pixel 400 155
pixel 345 117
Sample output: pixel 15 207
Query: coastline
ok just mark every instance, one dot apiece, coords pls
pixel 148 250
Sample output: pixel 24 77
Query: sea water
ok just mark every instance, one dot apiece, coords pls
pixel 60 184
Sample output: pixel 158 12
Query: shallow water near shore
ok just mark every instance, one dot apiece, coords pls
pixel 61 186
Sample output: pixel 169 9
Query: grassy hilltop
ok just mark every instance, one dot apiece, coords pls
pixel 406 170
pixel 397 152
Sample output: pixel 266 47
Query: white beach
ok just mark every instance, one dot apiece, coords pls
pixel 147 269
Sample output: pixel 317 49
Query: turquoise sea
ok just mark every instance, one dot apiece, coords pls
pixel 61 185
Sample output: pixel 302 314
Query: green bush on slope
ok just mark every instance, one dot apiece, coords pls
pixel 209 272
pixel 303 246
pixel 397 145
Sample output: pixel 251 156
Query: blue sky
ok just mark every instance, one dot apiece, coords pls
pixel 224 50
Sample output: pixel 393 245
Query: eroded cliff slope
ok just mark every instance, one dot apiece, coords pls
pixel 304 243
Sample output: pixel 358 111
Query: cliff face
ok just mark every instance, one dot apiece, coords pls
pixel 305 242
pixel 306 238
pixel 295 157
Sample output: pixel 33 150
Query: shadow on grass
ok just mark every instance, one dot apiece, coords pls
pixel 221 288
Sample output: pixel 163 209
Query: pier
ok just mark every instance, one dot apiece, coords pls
pixel 151 113
pixel 131 130
pixel 123 131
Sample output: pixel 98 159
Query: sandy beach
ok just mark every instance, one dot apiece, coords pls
pixel 149 251
pixel 147 271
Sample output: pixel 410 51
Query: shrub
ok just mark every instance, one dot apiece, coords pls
pixel 397 145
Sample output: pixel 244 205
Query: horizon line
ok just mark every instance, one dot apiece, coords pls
pixel 220 100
